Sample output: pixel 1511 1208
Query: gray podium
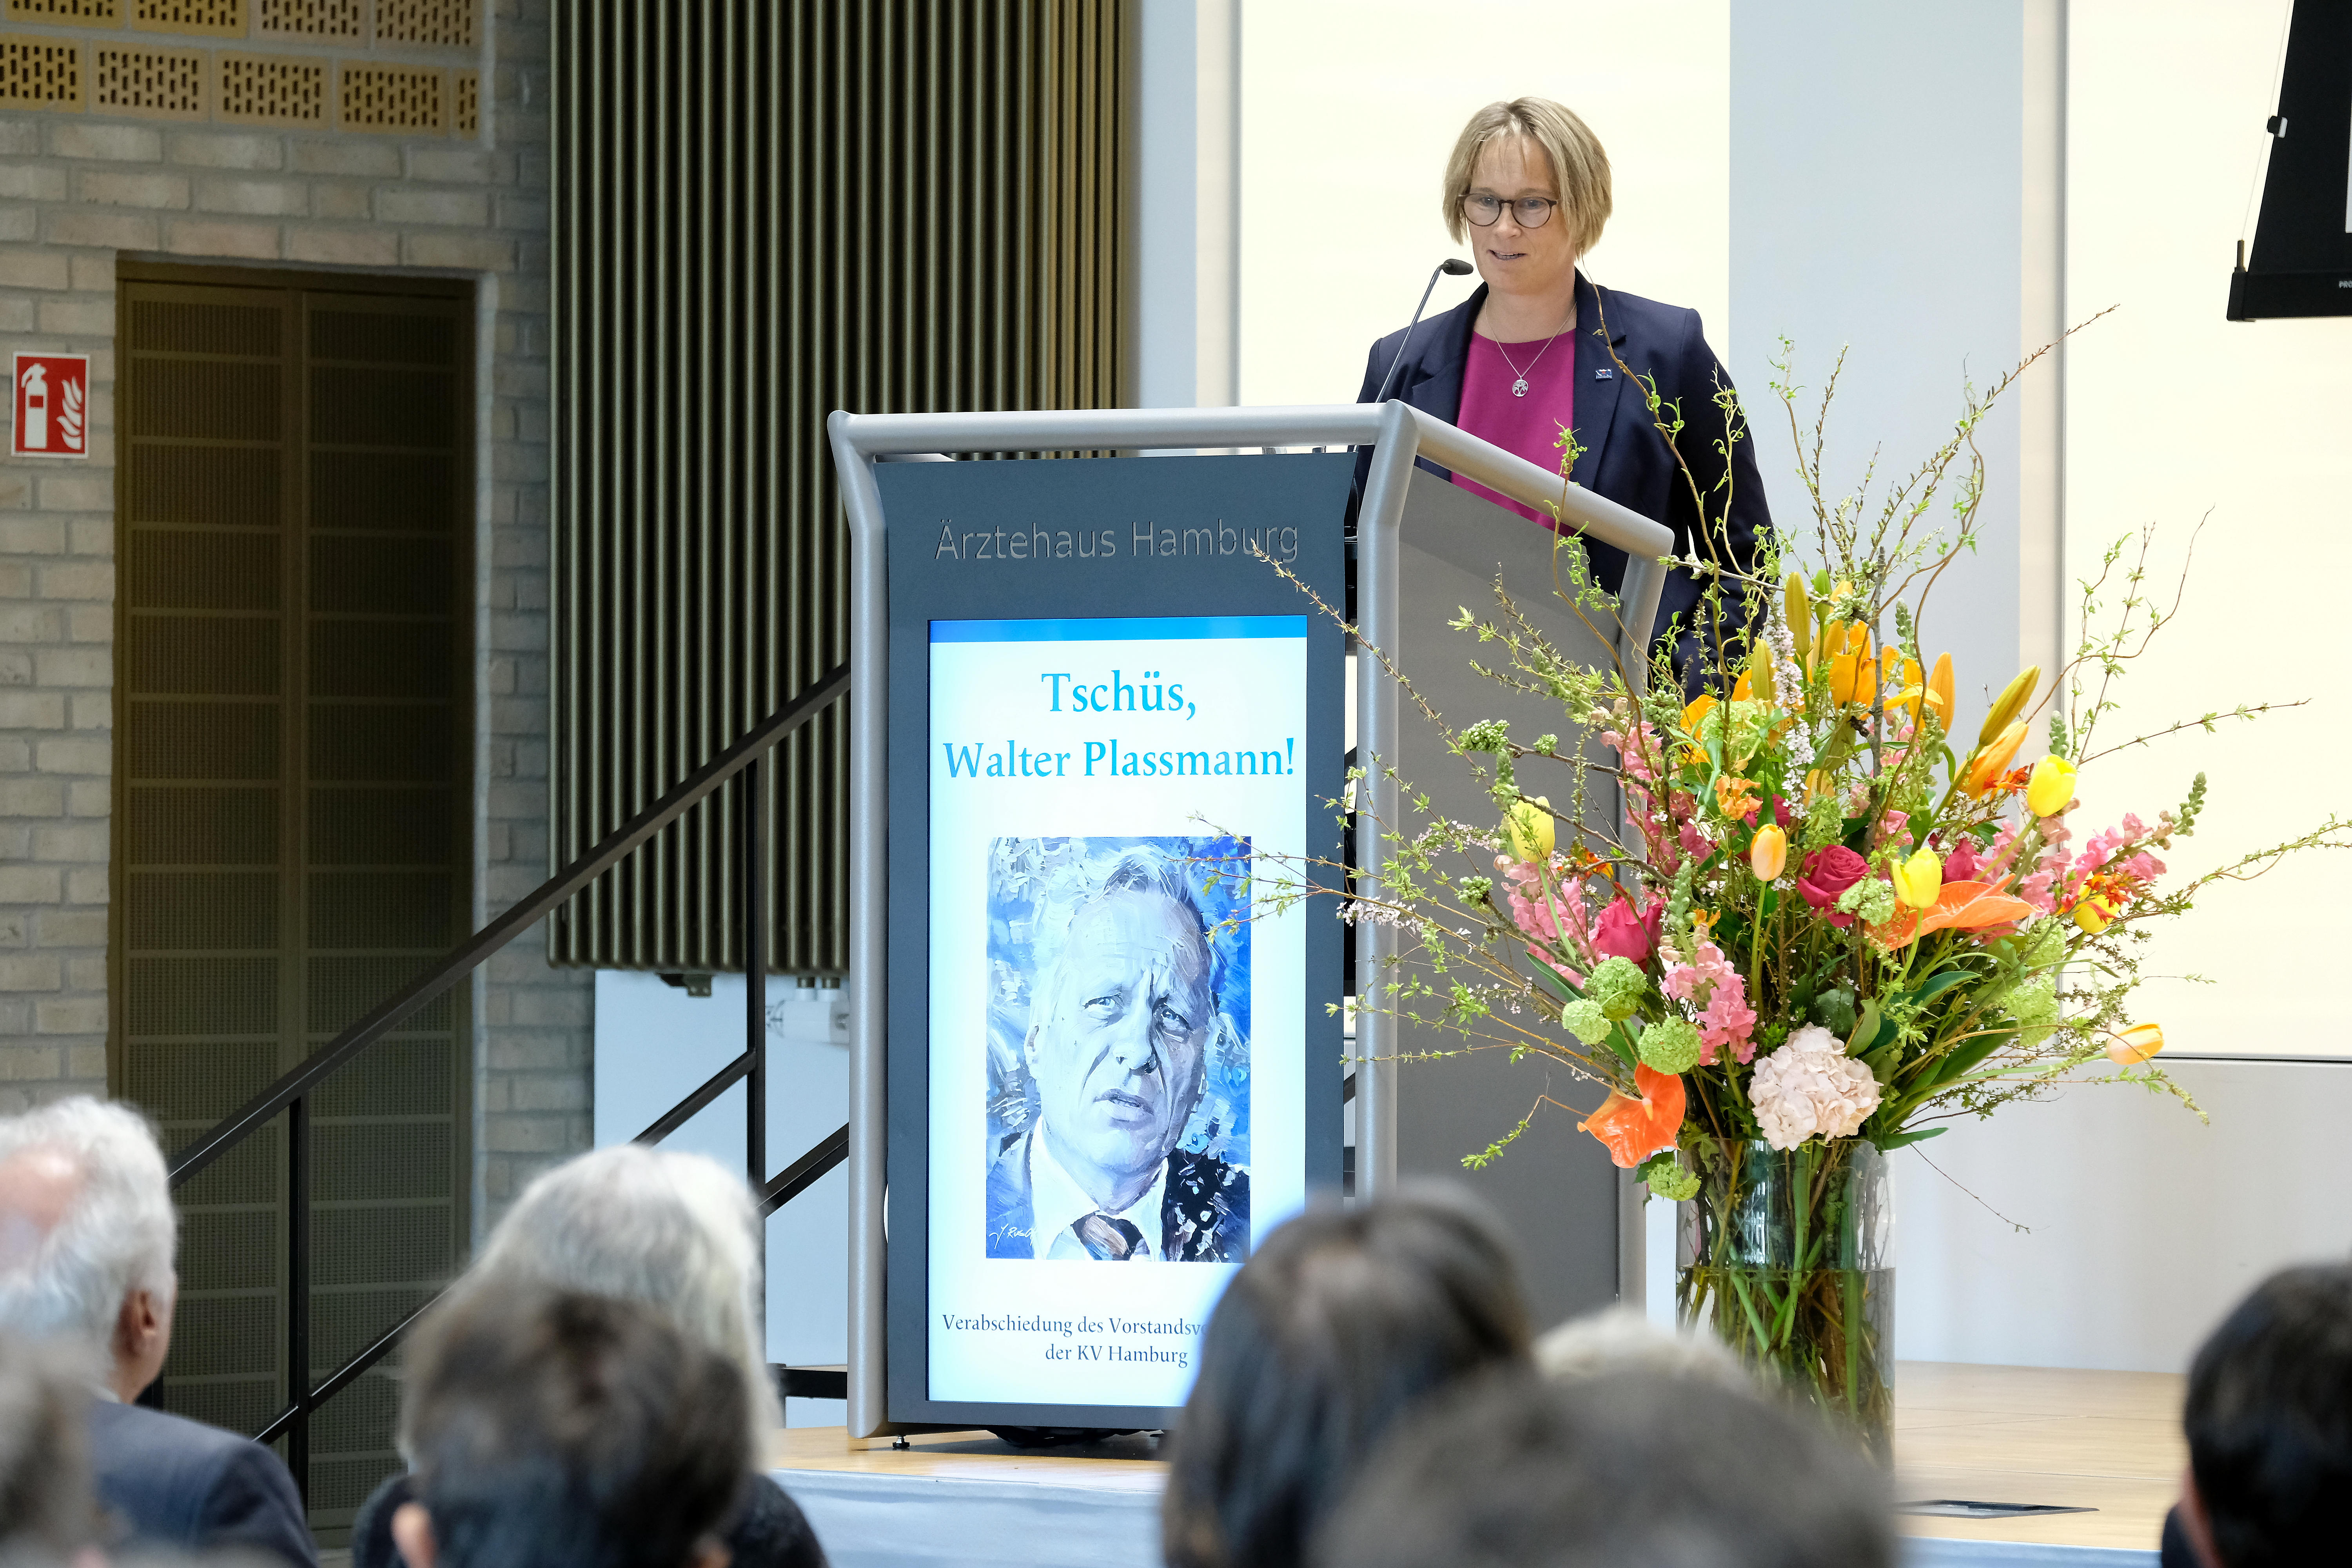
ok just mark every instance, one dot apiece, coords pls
pixel 1423 548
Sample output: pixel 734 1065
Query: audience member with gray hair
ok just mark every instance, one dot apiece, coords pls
pixel 1635 1468
pixel 678 1233
pixel 88 1237
pixel 1622 1339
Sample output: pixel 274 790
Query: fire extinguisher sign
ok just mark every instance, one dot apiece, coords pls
pixel 52 405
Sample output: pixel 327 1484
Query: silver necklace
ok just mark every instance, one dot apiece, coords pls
pixel 1520 387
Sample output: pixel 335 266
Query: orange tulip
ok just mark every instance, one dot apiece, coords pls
pixel 1768 853
pixel 2131 1047
pixel 1986 767
pixel 1633 1129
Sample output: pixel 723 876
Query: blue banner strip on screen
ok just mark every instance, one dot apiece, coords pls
pixel 1121 628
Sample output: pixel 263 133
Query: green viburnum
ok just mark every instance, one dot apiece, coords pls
pixel 1669 1045
pixel 1824 820
pixel 1669 1180
pixel 1872 899
pixel 1585 1020
pixel 2045 943
pixel 2034 1005
pixel 1618 986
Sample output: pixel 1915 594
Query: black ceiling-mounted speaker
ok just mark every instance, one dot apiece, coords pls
pixel 2302 261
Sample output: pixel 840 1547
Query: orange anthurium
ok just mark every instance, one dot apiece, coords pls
pixel 1959 906
pixel 2129 1048
pixel 1632 1128
pixel 1987 766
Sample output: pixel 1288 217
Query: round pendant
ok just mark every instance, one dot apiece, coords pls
pixel 1520 387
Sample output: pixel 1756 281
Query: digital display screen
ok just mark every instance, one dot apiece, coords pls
pixel 1116 1019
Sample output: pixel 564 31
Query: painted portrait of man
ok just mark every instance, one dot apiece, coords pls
pixel 1113 1068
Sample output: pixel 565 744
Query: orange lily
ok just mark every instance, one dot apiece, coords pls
pixel 1853 674
pixel 1987 766
pixel 1633 1129
pixel 1936 692
pixel 1694 713
pixel 1959 906
pixel 1737 798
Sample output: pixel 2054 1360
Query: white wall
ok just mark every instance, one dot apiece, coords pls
pixel 656 1044
pixel 1349 107
pixel 2173 412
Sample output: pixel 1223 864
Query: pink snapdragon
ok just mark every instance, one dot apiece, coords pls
pixel 1711 984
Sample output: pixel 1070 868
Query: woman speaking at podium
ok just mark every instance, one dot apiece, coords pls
pixel 1523 357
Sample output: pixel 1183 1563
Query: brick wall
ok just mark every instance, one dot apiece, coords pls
pixel 78 188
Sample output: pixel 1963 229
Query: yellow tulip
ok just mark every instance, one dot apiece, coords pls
pixel 1527 830
pixel 1800 616
pixel 2094 913
pixel 1768 852
pixel 2051 790
pixel 1989 763
pixel 1918 879
pixel 2133 1046
pixel 2010 703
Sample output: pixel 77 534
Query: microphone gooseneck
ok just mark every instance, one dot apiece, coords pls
pixel 1452 266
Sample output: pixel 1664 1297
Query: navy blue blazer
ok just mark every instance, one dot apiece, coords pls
pixel 178 1482
pixel 1625 457
pixel 1204 1207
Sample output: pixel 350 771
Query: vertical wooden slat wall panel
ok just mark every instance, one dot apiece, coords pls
pixel 764 214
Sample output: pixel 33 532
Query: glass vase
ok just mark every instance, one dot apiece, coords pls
pixel 1788 1257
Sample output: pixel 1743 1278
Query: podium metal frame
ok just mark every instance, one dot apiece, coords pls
pixel 1398 434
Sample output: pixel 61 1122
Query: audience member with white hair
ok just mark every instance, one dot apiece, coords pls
pixel 88 1237
pixel 678 1233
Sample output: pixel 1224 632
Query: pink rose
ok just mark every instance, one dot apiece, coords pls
pixel 1825 874
pixel 1622 933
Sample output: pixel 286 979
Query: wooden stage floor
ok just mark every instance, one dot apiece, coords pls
pixel 2109 1441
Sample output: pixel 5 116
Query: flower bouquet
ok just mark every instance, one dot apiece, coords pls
pixel 1833 923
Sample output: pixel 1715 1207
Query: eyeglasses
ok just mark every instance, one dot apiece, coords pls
pixel 1528 211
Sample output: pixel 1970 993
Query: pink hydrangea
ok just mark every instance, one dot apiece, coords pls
pixel 1811 1087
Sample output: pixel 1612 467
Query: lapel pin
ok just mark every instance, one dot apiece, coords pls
pixel 1605 373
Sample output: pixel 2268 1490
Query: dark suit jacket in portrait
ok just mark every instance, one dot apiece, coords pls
pixel 1204 1210
pixel 176 1482
pixel 1625 458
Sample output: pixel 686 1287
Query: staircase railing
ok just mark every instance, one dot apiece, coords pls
pixel 291 1094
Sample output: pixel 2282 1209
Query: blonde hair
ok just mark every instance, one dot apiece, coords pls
pixel 1578 163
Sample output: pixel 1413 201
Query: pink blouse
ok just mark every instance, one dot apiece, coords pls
pixel 1528 426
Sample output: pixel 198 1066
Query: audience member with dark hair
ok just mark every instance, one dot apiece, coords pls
pixel 1334 1328
pixel 568 1430
pixel 87 1235
pixel 2269 1421
pixel 1638 1468
pixel 678 1233
pixel 48 1513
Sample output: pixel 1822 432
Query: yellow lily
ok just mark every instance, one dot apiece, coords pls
pixel 1768 853
pixel 1918 879
pixel 2051 790
pixel 1695 712
pixel 2131 1047
pixel 1527 830
pixel 1993 760
pixel 1936 692
pixel 2094 913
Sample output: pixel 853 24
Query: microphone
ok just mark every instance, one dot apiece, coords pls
pixel 1452 266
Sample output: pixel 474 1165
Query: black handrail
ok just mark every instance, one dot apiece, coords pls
pixel 290 1094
